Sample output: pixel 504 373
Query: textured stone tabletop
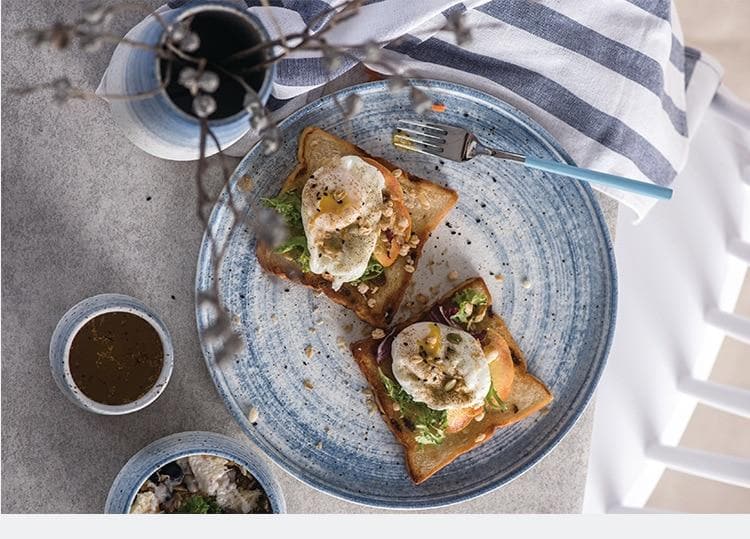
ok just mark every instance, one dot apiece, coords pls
pixel 85 212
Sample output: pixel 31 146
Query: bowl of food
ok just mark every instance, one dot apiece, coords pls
pixel 111 354
pixel 195 472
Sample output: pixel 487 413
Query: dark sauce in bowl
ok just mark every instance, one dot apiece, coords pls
pixel 116 358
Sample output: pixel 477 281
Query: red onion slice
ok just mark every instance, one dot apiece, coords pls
pixel 384 347
pixel 442 315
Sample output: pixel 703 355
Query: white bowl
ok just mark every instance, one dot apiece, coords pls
pixel 74 320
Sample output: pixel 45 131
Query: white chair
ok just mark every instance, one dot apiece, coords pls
pixel 680 272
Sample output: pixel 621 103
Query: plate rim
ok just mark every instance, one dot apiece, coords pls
pixel 585 395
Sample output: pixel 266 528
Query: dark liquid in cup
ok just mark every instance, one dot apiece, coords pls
pixel 221 34
pixel 115 358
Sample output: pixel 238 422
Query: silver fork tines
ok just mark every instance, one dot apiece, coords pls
pixel 423 137
pixel 425 125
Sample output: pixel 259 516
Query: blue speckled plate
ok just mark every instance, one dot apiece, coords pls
pixel 512 226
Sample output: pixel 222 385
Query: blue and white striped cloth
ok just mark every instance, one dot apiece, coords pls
pixel 610 80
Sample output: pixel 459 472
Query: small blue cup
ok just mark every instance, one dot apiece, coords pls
pixel 155 124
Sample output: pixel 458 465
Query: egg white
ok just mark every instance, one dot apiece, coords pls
pixel 426 384
pixel 363 186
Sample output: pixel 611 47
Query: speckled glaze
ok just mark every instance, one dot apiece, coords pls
pixel 512 226
pixel 175 446
pixel 155 124
pixel 74 320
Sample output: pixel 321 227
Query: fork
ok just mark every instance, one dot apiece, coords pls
pixel 458 144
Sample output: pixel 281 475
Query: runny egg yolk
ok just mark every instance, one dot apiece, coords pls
pixel 329 204
pixel 433 342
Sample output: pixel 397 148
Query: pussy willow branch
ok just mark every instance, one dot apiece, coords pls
pixel 90 30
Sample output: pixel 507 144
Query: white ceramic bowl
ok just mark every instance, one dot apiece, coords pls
pixel 74 320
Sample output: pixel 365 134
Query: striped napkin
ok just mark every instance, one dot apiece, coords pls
pixel 612 81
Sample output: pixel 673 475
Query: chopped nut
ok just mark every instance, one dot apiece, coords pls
pixel 362 288
pixel 431 340
pixel 307 383
pixel 339 195
pixel 450 384
pixel 408 268
pixel 404 250
pixel 396 173
pixel 414 240
pixel 525 282
pixel 373 289
pixel 396 407
pixel 309 351
pixel 480 417
pixel 341 343
pixel 367 392
pixel 491 355
pixel 421 298
pixel 402 223
pixel 371 303
pixel 453 275
pixel 245 184
pixel 480 438
pixel 388 211
pixel 252 415
pixel 378 333
pixel 319 445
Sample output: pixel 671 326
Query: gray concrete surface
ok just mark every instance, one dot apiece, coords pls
pixel 77 221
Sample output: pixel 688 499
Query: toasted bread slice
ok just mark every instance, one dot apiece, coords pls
pixel 427 203
pixel 525 396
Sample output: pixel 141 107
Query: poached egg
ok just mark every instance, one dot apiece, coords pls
pixel 341 209
pixel 440 366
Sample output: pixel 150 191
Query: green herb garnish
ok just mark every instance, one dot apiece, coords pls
pixel 289 206
pixel 200 504
pixel 429 424
pixel 493 400
pixel 296 247
pixel 374 269
pixel 466 300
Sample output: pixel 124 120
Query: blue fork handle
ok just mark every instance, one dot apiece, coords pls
pixel 592 176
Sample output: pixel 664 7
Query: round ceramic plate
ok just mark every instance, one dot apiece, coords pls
pixel 512 226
